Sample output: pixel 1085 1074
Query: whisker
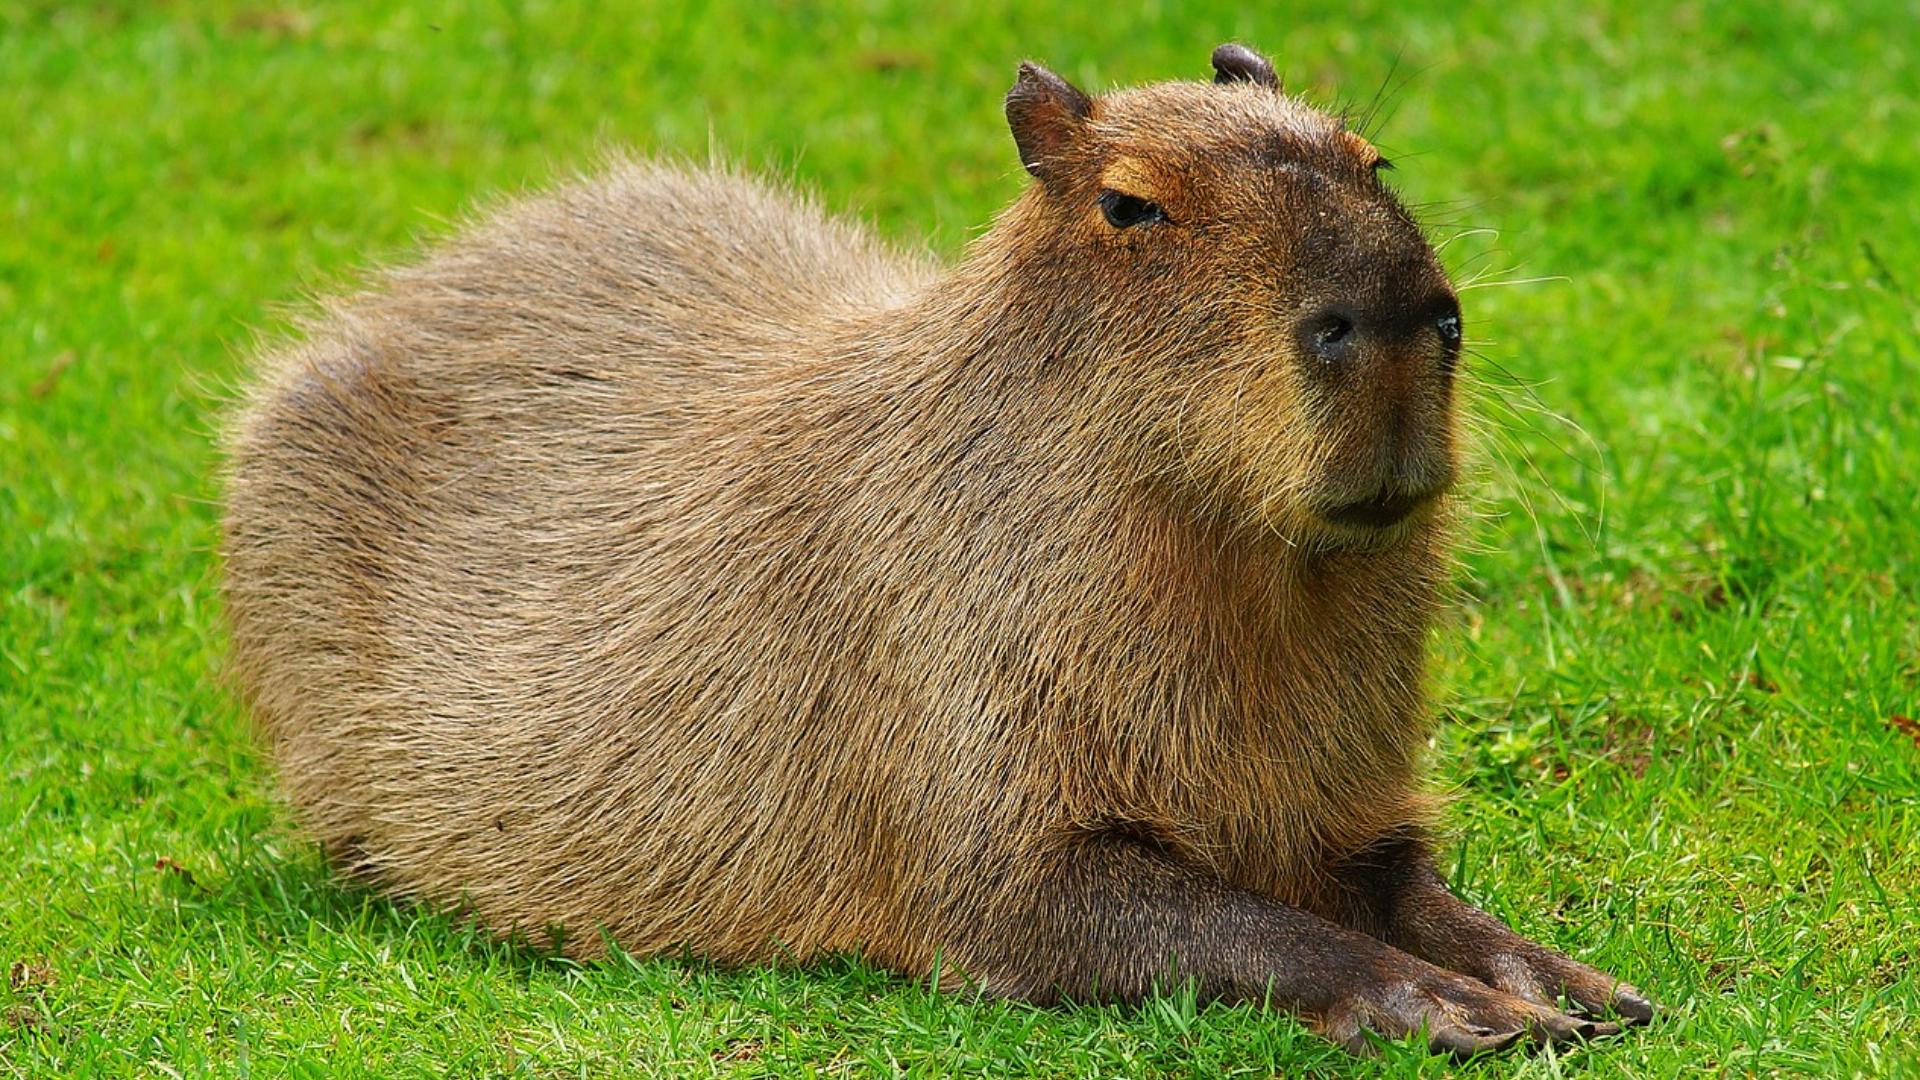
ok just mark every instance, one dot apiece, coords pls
pixel 1479 284
pixel 1463 234
pixel 1512 417
pixel 1365 126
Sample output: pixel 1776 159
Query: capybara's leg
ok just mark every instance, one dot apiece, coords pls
pixel 1116 916
pixel 1396 895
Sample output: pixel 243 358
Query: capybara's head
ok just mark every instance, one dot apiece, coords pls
pixel 1282 333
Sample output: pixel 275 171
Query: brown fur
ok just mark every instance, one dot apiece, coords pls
pixel 663 556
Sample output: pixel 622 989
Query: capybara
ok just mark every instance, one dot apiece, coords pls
pixel 664 561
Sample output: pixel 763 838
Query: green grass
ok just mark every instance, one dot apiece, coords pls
pixel 1671 700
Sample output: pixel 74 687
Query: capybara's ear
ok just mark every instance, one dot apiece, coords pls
pixel 1233 63
pixel 1046 113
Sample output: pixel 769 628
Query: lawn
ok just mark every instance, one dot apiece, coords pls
pixel 1679 694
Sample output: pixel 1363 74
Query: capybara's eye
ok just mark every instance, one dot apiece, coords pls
pixel 1125 210
pixel 1449 327
pixel 1381 164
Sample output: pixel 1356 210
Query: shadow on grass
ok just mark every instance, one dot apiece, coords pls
pixel 284 893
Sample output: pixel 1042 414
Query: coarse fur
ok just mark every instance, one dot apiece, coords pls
pixel 665 559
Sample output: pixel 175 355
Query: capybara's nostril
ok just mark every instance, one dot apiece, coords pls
pixel 1451 334
pixel 1329 334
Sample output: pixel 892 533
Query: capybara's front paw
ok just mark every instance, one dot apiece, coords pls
pixel 1458 1015
pixel 1540 975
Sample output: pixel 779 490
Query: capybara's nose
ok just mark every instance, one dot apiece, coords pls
pixel 1334 334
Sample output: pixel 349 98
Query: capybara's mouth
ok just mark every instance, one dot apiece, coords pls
pixel 1382 509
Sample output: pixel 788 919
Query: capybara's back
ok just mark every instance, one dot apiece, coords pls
pixel 482 565
pixel 663 561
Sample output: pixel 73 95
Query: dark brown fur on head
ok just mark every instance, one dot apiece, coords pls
pixel 664 558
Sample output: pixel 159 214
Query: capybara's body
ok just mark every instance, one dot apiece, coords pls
pixel 663 561
pixel 595 575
